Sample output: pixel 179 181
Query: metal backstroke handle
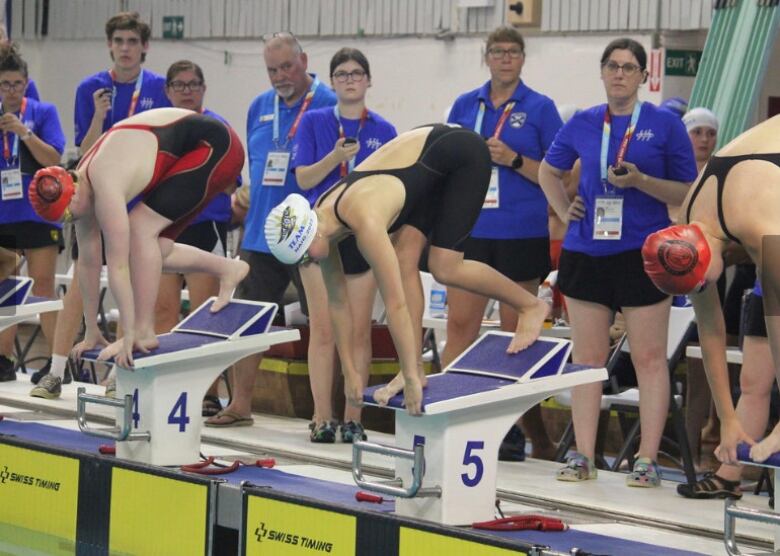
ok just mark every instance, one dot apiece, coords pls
pixel 392 488
pixel 119 433
pixel 732 512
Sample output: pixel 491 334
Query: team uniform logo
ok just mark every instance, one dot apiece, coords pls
pixel 678 257
pixel 517 119
pixel 286 224
pixel 645 135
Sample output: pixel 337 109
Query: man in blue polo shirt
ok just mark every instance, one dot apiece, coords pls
pixel 109 96
pixel 272 122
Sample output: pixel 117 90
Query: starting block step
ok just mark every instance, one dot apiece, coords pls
pixel 448 457
pixel 18 305
pixel 159 402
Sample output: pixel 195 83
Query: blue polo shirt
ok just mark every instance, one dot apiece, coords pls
pixel 660 148
pixel 529 130
pixel 319 132
pixel 757 291
pixel 152 96
pixel 259 138
pixel 43 120
pixel 32 91
pixel 219 208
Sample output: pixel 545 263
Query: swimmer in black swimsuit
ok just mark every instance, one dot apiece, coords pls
pixel 737 198
pixel 173 162
pixel 430 181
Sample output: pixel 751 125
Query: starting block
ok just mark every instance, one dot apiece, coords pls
pixel 17 305
pixel 450 465
pixel 159 402
pixel 733 511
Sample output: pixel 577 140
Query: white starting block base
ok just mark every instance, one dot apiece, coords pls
pixel 164 393
pixel 467 411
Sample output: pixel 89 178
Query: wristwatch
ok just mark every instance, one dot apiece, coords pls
pixel 517 162
pixel 29 134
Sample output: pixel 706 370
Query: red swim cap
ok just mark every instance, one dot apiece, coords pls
pixel 51 190
pixel 676 258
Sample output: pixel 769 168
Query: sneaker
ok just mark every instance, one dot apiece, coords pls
pixel 7 369
pixel 513 446
pixel 324 433
pixel 49 387
pixel 351 431
pixel 36 377
pixel 711 486
pixel 578 468
pixel 645 474
pixel 111 387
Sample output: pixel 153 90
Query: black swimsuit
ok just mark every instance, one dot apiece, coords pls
pixel 720 166
pixel 445 188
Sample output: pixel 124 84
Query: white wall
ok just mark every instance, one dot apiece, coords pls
pixel 415 80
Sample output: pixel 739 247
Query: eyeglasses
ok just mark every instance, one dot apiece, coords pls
pixel 499 53
pixel 628 68
pixel 181 86
pixel 344 76
pixel 8 86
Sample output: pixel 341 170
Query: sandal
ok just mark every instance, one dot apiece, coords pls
pixel 645 474
pixel 711 486
pixel 211 406
pixel 227 418
pixel 578 468
pixel 324 433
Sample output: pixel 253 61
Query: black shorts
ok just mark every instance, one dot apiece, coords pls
pixel 209 236
pixel 517 259
pixel 268 280
pixel 30 235
pixel 754 323
pixel 614 281
pixel 352 259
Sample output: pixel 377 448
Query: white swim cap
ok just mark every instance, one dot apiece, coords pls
pixel 700 117
pixel 290 228
pixel 566 111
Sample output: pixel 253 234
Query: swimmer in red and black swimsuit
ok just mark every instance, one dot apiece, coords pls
pixel 172 163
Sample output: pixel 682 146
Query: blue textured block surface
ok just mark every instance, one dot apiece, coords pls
pixel 489 355
pixel 53 436
pixel 743 454
pixel 169 343
pixel 446 386
pixel 226 322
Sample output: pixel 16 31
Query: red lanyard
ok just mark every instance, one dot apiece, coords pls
pixel 304 106
pixel 343 169
pixel 501 120
pixel 6 146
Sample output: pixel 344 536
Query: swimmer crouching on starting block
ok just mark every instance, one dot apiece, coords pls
pixel 736 198
pixel 175 162
pixel 428 181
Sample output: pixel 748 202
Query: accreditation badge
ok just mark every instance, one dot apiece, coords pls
pixel 11 180
pixel 491 197
pixel 276 166
pixel 608 217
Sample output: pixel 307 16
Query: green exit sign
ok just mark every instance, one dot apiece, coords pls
pixel 173 26
pixel 683 62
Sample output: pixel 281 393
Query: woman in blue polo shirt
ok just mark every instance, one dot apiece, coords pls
pixel 329 143
pixel 512 233
pixel 32 138
pixel 636 159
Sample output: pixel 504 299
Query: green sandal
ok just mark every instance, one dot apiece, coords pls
pixel 645 474
pixel 578 468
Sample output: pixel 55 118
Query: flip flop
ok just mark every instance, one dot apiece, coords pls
pixel 211 406
pixel 229 419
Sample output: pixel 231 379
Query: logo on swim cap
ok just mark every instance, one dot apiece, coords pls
pixel 49 188
pixel 286 224
pixel 678 257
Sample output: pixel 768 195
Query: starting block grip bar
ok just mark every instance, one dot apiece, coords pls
pixel 115 433
pixel 417 455
pixel 732 512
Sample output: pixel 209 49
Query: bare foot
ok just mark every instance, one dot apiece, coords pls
pixel 383 395
pixel 761 451
pixel 147 343
pixel 529 326
pixel 234 273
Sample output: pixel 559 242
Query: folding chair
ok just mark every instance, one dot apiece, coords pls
pixel 623 401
